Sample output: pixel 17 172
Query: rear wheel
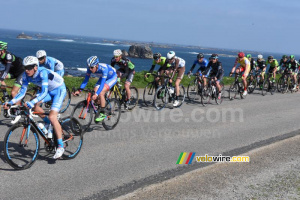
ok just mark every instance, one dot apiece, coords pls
pixel 251 85
pixel 161 98
pixel 84 114
pixel 233 91
pixel 181 96
pixel 66 102
pixel 113 112
pixel 192 91
pixel 148 95
pixel 265 89
pixel 134 97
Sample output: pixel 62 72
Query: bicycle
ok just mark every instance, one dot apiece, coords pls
pixel 257 81
pixel 268 85
pixel 120 94
pixel 236 88
pixel 150 89
pixel 22 143
pixel 195 88
pixel 83 111
pixel 166 93
pixel 212 91
pixel 66 103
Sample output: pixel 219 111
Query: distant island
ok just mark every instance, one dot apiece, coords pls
pixel 23 36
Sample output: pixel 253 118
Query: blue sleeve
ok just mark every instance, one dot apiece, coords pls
pixel 205 62
pixel 86 79
pixel 51 63
pixel 22 92
pixel 102 80
pixel 44 91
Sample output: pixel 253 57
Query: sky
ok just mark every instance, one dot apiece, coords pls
pixel 259 25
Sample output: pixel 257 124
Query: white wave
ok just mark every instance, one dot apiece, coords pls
pixel 104 44
pixel 82 69
pixel 220 55
pixel 65 40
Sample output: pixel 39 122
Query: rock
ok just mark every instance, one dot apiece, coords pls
pixel 23 36
pixel 124 52
pixel 137 51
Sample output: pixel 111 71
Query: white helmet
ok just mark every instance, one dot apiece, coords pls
pixel 260 56
pixel 41 53
pixel 117 52
pixel 170 55
pixel 30 60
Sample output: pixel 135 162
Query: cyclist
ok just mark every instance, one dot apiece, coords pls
pixel 244 67
pixel 108 78
pixel 261 66
pixel 293 65
pixel 159 60
pixel 202 62
pixel 126 70
pixel 252 66
pixel 273 66
pixel 214 69
pixel 13 69
pixel 179 66
pixel 283 64
pixel 53 88
pixel 50 62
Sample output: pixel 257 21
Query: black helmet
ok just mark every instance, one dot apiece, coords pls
pixel 214 56
pixel 270 57
pixel 284 56
pixel 200 55
pixel 156 56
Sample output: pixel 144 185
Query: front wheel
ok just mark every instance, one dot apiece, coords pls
pixel 251 85
pixel 161 98
pixel 181 96
pixel 134 97
pixel 233 91
pixel 266 87
pixel 192 91
pixel 113 112
pixel 21 146
pixel 148 95
pixel 84 114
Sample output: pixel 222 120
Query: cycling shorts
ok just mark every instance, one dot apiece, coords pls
pixel 57 96
pixel 129 77
pixel 109 83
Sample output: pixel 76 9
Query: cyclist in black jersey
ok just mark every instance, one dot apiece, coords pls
pixel 252 66
pixel 14 68
pixel 284 64
pixel 126 70
pixel 293 65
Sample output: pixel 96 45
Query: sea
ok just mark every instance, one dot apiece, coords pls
pixel 74 50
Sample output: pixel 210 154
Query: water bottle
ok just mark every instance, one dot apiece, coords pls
pixel 50 131
pixel 171 90
pixel 43 128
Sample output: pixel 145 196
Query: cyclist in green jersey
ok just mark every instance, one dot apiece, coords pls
pixel 158 60
pixel 274 67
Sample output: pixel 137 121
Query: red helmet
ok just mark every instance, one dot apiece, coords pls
pixel 241 55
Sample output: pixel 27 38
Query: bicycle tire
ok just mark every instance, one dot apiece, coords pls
pixel 192 90
pixel 72 137
pixel 233 91
pixel 251 86
pixel 134 97
pixel 148 95
pixel 66 103
pixel 113 112
pixel 219 101
pixel 265 88
pixel 16 153
pixel 77 112
pixel 280 84
pixel 161 98
pixel 181 96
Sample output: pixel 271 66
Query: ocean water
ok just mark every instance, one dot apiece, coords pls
pixel 73 51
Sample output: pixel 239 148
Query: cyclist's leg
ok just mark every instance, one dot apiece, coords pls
pixel 16 87
pixel 219 79
pixel 244 78
pixel 128 82
pixel 61 72
pixel 180 74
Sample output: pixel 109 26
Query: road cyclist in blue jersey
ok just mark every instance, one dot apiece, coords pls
pixel 108 78
pixel 50 62
pixel 52 88
pixel 202 62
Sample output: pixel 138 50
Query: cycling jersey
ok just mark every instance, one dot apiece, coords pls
pixel 252 64
pixel 203 64
pixel 181 62
pixel 243 63
pixel 283 64
pixel 161 63
pixel 261 64
pixel 44 78
pixel 293 65
pixel 214 68
pixel 13 65
pixel 54 65
pixel 273 64
pixel 107 75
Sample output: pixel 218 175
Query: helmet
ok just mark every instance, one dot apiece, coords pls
pixel 3 45
pixel 30 60
pixel 241 55
pixel 156 56
pixel 214 56
pixel 249 56
pixel 170 55
pixel 200 55
pixel 92 61
pixel 270 57
pixel 117 52
pixel 260 56
pixel 292 57
pixel 284 56
pixel 40 53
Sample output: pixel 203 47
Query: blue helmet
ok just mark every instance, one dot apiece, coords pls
pixel 92 61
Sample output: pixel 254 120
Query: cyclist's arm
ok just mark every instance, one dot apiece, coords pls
pixel 192 68
pixel 44 89
pixel 52 64
pixel 7 68
pixel 86 80
pixel 220 69
pixel 234 66
pixel 152 69
pixel 176 67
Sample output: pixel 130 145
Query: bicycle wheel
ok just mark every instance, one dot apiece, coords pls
pixel 272 87
pixel 265 89
pixel 233 91
pixel 113 111
pixel 280 84
pixel 181 96
pixel 83 114
pixel 21 146
pixel 72 137
pixel 161 98
pixel 148 95
pixel 251 85
pixel 217 99
pixel 67 100
pixel 134 97
pixel 192 91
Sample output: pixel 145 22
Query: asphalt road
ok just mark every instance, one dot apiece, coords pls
pixel 144 147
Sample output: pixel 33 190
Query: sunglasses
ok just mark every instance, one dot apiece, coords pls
pixel 117 56
pixel 41 58
pixel 29 67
